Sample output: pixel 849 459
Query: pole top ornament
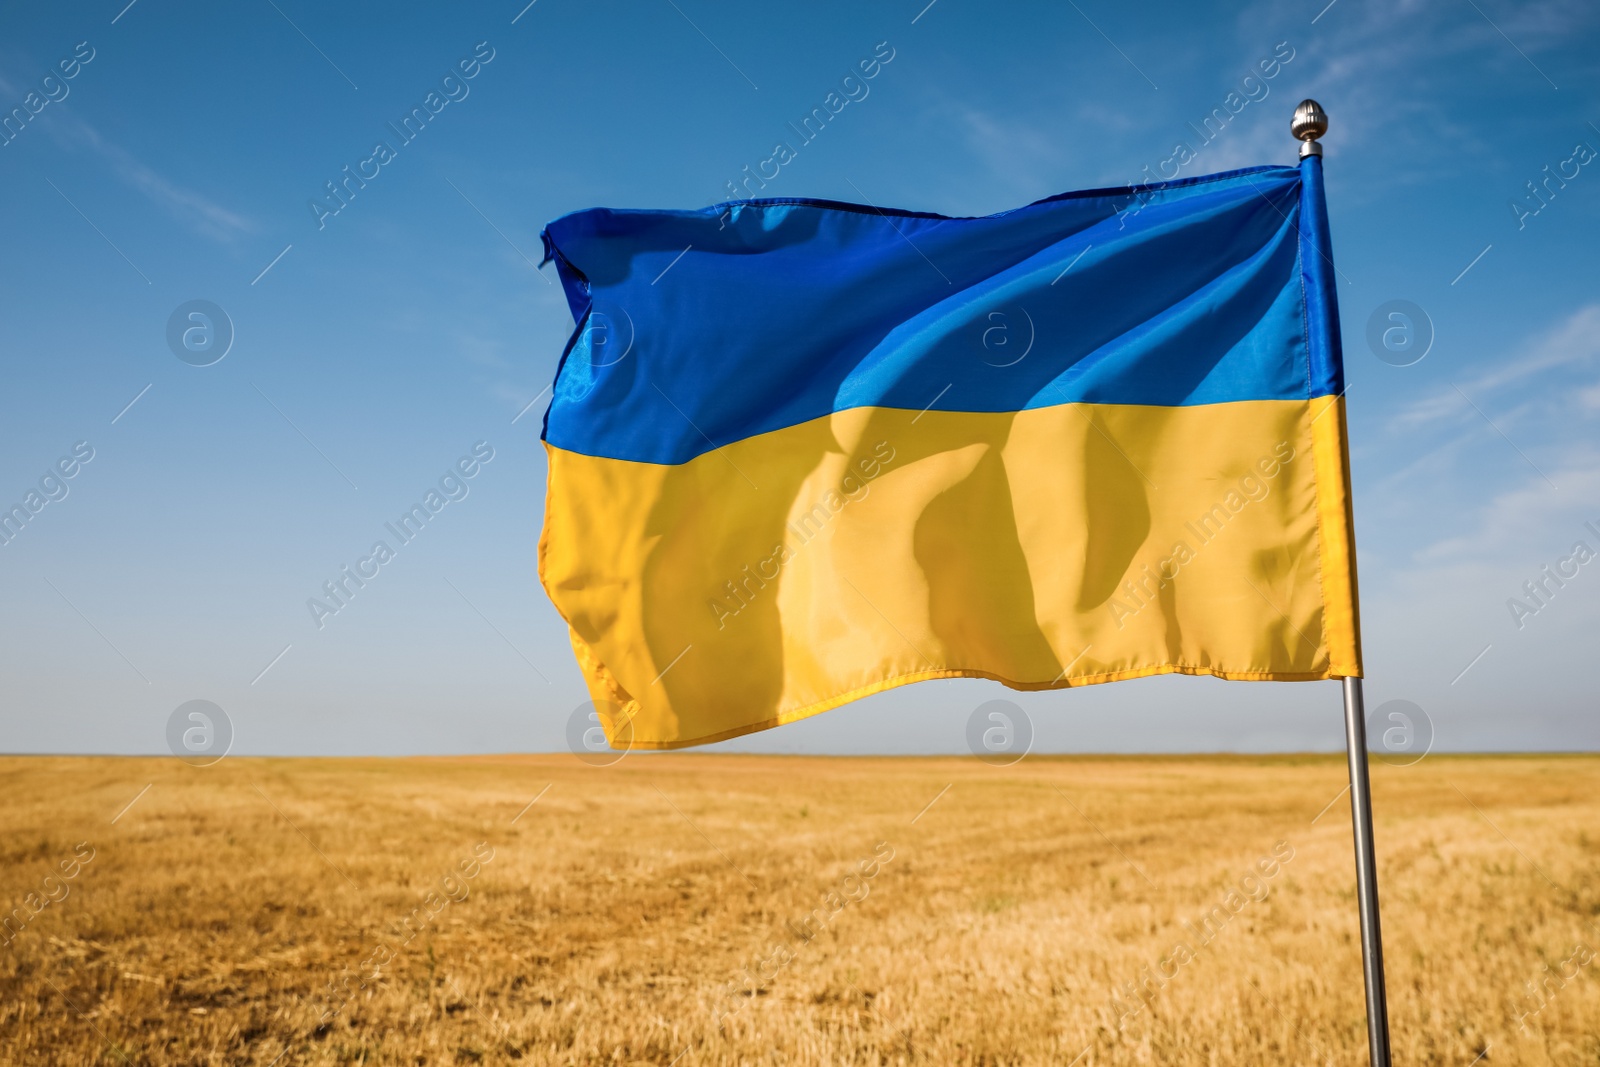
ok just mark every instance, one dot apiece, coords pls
pixel 1310 122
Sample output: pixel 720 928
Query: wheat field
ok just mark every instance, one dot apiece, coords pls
pixel 710 909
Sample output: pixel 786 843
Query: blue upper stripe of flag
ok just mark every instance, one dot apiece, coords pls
pixel 700 328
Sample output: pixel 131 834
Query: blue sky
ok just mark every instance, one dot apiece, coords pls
pixel 374 347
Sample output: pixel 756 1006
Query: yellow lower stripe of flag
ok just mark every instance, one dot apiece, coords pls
pixel 794 571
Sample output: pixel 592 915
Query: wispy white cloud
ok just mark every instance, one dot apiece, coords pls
pixel 203 213
pixel 1010 147
pixel 1257 135
pixel 1530 515
pixel 1433 463
pixel 1364 58
pixel 1545 25
pixel 1572 343
pixel 189 206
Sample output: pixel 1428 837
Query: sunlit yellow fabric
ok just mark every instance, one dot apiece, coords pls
pixel 794 571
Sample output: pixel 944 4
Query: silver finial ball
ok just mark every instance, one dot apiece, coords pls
pixel 1309 123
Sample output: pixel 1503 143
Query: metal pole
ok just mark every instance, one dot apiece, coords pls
pixel 1310 122
pixel 1355 739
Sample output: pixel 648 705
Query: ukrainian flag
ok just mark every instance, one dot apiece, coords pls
pixel 802 451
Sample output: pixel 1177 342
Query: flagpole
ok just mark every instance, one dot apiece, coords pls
pixel 1311 122
pixel 1355 740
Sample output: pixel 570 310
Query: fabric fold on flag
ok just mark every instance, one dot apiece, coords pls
pixel 802 451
